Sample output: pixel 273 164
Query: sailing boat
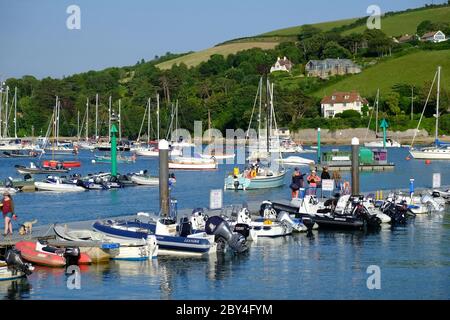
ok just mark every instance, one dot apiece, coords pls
pixel 58 148
pixel 257 176
pixel 390 143
pixel 440 151
pixel 180 143
pixel 151 150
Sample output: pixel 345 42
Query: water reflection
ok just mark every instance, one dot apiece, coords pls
pixel 15 289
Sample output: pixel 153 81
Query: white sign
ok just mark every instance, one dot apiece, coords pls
pixel 436 180
pixel 216 199
pixel 327 185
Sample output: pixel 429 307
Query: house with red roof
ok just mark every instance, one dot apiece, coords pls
pixel 339 102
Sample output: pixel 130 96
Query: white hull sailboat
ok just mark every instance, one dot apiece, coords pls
pixel 436 152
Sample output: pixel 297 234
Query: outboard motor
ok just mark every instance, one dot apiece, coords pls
pixel 243 229
pixel 14 261
pixel 221 230
pixel 8 183
pixel 185 227
pixel 284 217
pixel 72 255
pixel 27 177
pixel 267 210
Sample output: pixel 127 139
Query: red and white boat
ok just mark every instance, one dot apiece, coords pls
pixel 61 164
pixel 49 256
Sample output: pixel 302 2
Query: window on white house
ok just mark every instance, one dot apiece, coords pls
pixel 333 98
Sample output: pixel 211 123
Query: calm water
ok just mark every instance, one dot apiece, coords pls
pixel 414 260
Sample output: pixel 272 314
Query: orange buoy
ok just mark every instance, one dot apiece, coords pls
pixel 427 161
pixel 408 158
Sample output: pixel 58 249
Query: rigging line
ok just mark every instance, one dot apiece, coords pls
pixel 370 119
pixel 423 111
pixel 142 123
pixel 253 112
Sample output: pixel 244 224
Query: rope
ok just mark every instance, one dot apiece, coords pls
pixel 423 111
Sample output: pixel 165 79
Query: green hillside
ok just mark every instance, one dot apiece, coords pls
pixel 194 59
pixel 407 22
pixel 413 69
pixel 324 26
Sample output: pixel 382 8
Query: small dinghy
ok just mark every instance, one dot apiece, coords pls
pixel 45 255
pixel 56 184
pixel 295 161
pixel 33 169
pixel 144 179
pixel 13 267
pixel 135 242
pixel 20 154
pixel 97 245
pixel 53 164
pixel 186 163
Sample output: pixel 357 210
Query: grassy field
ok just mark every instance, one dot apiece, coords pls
pixel 414 69
pixel 325 26
pixel 407 22
pixel 196 58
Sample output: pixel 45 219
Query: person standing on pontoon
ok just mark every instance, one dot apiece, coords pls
pixel 313 180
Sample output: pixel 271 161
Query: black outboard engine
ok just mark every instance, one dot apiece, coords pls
pixel 360 211
pixel 14 261
pixel 8 183
pixel 221 230
pixel 72 255
pixel 243 229
pixel 27 177
pixel 185 227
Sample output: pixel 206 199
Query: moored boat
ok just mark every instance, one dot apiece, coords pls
pixel 56 184
pixel 185 163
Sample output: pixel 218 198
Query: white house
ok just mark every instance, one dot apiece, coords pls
pixel 339 102
pixel 282 65
pixel 434 36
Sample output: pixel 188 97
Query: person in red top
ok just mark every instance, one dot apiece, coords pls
pixel 7 206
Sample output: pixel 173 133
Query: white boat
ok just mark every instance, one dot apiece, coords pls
pixel 144 180
pixel 9 190
pixel 56 184
pixel 128 248
pixel 296 161
pixel 154 152
pixel 182 144
pixel 440 151
pixel 218 156
pixel 379 144
pixel 187 163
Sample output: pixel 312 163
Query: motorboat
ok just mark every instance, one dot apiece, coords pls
pixel 120 159
pixel 296 161
pixel 260 178
pixel 56 184
pixel 188 163
pixel 53 164
pixel 154 152
pixel 49 256
pixel 20 154
pixel 8 189
pixel 390 143
pixel 133 238
pixel 33 169
pixel 13 267
pixel 142 178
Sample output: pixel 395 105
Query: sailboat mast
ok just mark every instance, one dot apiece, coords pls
pixel 87 119
pixel 260 109
pixel 120 120
pixel 78 126
pixel 157 115
pixel 412 102
pixel 58 109
pixel 437 102
pixel 109 118
pixel 96 117
pixel 176 120
pixel 148 120
pixel 1 107
pixel 376 115
pixel 5 132
pixel 267 115
pixel 15 112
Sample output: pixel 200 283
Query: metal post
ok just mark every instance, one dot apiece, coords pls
pixel 113 150
pixel 163 147
pixel 411 187
pixel 355 166
pixel 319 155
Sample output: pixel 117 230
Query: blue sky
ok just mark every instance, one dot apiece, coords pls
pixel 34 38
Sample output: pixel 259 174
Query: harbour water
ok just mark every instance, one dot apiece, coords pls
pixel 414 260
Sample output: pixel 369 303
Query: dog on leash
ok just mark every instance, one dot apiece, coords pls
pixel 27 227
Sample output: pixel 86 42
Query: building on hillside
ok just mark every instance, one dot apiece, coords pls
pixel 339 102
pixel 331 67
pixel 282 132
pixel 434 36
pixel 406 38
pixel 282 65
